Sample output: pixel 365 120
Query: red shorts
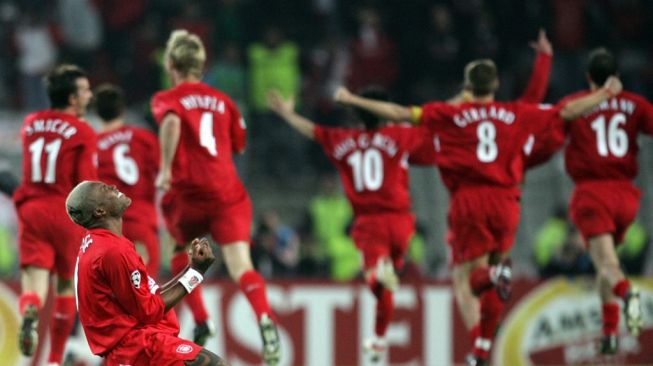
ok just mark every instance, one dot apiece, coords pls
pixel 140 225
pixel 149 346
pixel 604 207
pixel 188 219
pixel 383 235
pixel 48 238
pixel 482 220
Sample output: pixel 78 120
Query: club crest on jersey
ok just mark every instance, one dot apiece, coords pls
pixel 184 348
pixel 136 279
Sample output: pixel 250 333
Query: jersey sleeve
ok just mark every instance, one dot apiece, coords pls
pixel 87 156
pixel 541 118
pixel 161 105
pixel 238 129
pixel 324 137
pixel 126 274
pixel 430 114
pixel 539 81
pixel 422 149
pixel 646 117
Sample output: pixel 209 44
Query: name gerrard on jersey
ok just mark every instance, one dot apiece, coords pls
pixel 378 140
pixel 472 115
pixel 51 125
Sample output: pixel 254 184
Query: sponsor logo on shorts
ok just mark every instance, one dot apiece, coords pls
pixel 136 278
pixel 184 348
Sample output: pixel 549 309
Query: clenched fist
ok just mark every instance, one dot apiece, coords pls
pixel 201 255
pixel 613 85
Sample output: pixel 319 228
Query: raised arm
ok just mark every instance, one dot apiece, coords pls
pixel 575 108
pixel 386 110
pixel 168 139
pixel 285 108
pixel 539 81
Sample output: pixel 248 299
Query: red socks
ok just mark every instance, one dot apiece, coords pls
pixel 610 318
pixel 384 306
pixel 28 298
pixel 63 320
pixel 621 288
pixel 480 281
pixel 491 311
pixel 194 299
pixel 253 286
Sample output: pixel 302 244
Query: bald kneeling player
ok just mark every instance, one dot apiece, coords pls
pixel 125 314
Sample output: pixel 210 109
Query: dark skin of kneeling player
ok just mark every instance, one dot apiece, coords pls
pixel 96 205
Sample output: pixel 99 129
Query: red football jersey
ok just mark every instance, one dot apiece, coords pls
pixel 603 143
pixel 373 164
pixel 129 159
pixel 114 292
pixel 58 152
pixel 211 129
pixel 482 144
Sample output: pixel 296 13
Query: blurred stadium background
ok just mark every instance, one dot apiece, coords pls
pixel 416 49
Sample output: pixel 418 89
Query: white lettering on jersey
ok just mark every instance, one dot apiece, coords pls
pixel 208 102
pixel 114 138
pixel 86 242
pixel 472 115
pixel 51 125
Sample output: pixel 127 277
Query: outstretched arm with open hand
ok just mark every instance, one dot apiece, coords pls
pixel 386 110
pixel 285 108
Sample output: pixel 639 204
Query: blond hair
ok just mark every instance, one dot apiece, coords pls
pixel 186 53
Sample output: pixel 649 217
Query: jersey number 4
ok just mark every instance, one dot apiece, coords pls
pixel 52 151
pixel 614 140
pixel 367 169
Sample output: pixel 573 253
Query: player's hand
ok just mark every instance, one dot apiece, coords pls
pixel 163 180
pixel 342 95
pixel 542 45
pixel 613 85
pixel 201 255
pixel 278 104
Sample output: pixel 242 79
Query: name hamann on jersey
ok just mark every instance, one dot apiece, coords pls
pixel 209 102
pixel 363 142
pixel 473 115
pixel 51 125
pixel 114 138
pixel 615 104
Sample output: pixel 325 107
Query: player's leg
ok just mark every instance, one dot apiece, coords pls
pixel 613 285
pixel 203 326
pixel 63 318
pixel 186 220
pixel 34 290
pixel 241 270
pixel 206 358
pixel 382 282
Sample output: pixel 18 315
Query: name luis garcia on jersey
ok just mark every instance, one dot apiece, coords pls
pixel 56 125
pixel 473 115
pixel 115 138
pixel 378 140
pixel 624 105
pixel 209 102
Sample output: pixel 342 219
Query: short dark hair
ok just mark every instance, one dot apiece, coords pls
pixel 375 92
pixel 481 77
pixel 61 83
pixel 601 65
pixel 109 102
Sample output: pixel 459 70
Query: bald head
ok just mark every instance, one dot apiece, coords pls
pixel 91 203
pixel 81 203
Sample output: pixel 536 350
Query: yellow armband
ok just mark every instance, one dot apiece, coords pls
pixel 415 114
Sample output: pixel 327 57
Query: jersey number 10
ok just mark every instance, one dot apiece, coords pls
pixel 367 169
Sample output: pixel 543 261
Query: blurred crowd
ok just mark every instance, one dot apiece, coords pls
pixel 416 49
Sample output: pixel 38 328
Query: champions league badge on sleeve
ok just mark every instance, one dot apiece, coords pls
pixel 136 279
